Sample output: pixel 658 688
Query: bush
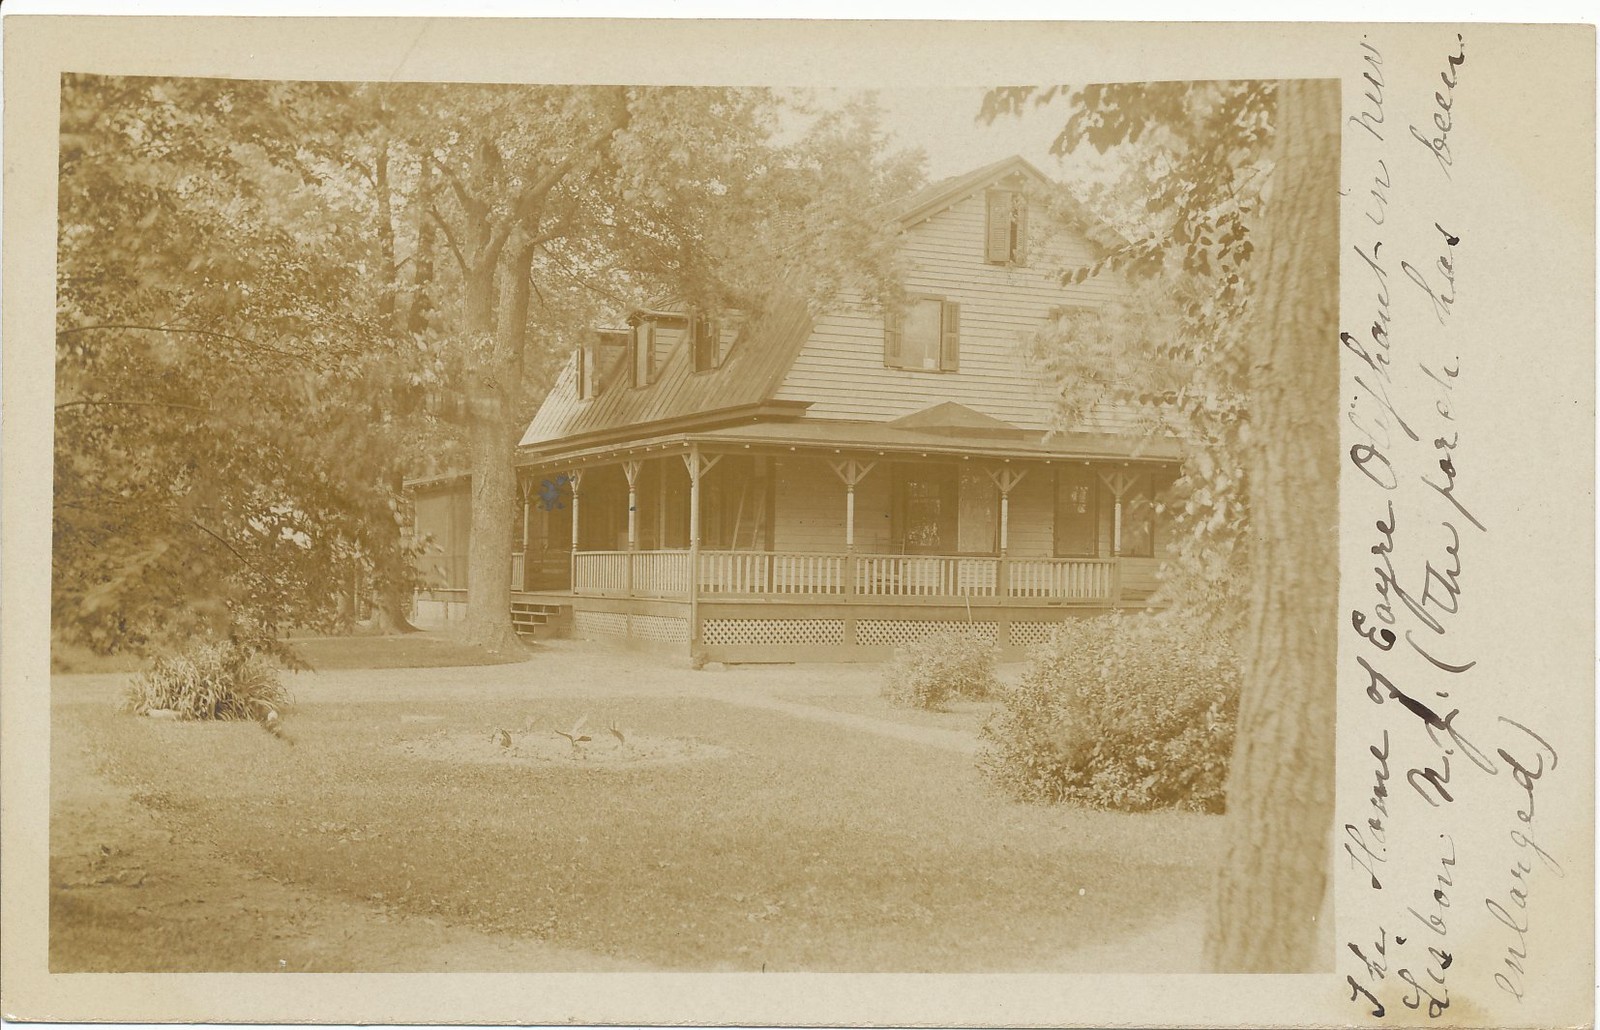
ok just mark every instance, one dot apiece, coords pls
pixel 929 672
pixel 1130 712
pixel 210 681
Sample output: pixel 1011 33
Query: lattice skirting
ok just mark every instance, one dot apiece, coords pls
pixel 665 629
pixel 772 631
pixel 662 628
pixel 1031 634
pixel 888 632
pixel 605 624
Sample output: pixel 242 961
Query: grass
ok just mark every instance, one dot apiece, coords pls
pixel 808 847
pixel 423 650
pixel 404 651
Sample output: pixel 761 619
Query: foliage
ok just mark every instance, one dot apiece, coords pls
pixel 929 672
pixel 1193 188
pixel 210 680
pixel 217 466
pixel 1130 712
pixel 277 298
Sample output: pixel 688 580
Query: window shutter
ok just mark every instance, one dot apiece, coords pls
pixel 950 337
pixel 581 365
pixel 1020 213
pixel 997 245
pixel 893 335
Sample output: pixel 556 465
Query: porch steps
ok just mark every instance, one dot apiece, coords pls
pixel 541 621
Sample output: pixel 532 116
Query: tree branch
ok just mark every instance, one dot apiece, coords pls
pixel 196 523
pixel 450 238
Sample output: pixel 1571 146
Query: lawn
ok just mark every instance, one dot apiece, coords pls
pixel 799 846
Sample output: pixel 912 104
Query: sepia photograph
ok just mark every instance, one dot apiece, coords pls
pixel 577 528
pixel 652 516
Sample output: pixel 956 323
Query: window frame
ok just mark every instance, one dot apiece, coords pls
pixel 705 331
pixel 1093 514
pixel 948 346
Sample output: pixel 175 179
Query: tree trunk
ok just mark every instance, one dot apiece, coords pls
pixel 494 430
pixel 1277 866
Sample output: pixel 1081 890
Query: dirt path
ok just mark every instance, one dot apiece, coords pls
pixel 126 893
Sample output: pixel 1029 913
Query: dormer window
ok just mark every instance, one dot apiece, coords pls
pixel 1006 236
pixel 705 342
pixel 643 355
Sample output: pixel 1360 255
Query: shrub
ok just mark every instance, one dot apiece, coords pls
pixel 1131 712
pixel 930 671
pixel 210 681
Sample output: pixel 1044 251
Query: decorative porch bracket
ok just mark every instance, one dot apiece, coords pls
pixel 851 472
pixel 1005 480
pixel 1119 483
pixel 697 465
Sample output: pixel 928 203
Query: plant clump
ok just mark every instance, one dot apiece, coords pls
pixel 929 672
pixel 213 681
pixel 1130 712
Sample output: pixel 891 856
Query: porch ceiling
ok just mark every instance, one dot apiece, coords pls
pixel 875 438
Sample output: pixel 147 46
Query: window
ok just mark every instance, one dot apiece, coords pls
pixel 1077 513
pixel 925 505
pixel 925 334
pixel 705 342
pixel 644 347
pixel 1006 236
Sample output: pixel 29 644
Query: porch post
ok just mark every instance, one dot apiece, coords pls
pixel 1119 482
pixel 526 483
pixel 631 470
pixel 574 477
pixel 697 466
pixel 1005 480
pixel 850 472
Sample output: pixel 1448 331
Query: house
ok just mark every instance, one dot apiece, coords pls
pixel 798 487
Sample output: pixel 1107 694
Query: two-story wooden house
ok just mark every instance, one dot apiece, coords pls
pixel 791 487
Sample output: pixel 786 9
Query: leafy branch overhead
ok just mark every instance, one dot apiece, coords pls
pixel 1194 167
pixel 278 299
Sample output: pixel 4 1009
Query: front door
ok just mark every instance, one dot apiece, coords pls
pixel 547 549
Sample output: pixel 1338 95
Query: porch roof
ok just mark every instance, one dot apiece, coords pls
pixel 838 437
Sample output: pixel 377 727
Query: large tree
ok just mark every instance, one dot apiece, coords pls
pixel 275 297
pixel 1240 188
pixel 213 325
pixel 546 196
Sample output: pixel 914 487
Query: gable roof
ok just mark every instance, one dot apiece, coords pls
pixel 936 197
pixel 956 420
pixel 762 354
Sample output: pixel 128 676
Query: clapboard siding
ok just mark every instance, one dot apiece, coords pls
pixel 809 506
pixel 840 368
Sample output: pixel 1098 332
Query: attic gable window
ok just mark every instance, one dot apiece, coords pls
pixel 705 342
pixel 925 334
pixel 1006 235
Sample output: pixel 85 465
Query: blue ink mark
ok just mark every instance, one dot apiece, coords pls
pixel 550 492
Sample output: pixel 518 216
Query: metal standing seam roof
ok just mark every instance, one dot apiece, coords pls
pixel 829 437
pixel 756 363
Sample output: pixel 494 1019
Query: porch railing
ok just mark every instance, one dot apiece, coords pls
pixel 836 576
pixel 1071 579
